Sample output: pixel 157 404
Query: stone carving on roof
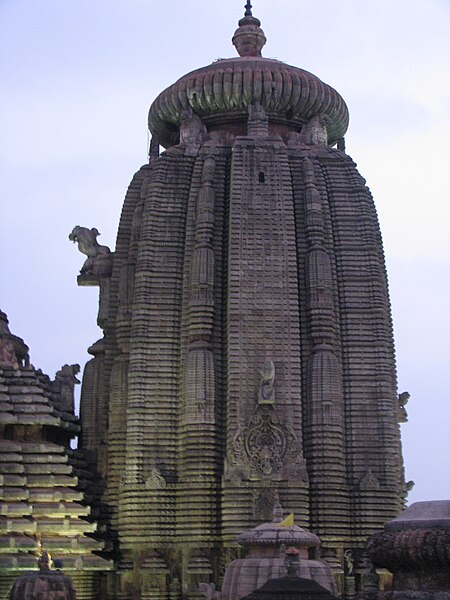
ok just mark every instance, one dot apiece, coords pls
pixel 192 131
pixel 98 260
pixel 65 381
pixel 258 121
pixel 402 402
pixel 8 359
pixel 314 132
pixel 13 350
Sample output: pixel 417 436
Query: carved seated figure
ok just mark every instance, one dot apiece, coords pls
pixel 314 132
pixel 192 130
pixel 98 260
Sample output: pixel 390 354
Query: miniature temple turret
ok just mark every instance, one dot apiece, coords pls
pixel 248 356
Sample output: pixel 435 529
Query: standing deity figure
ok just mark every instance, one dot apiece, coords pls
pixel 266 394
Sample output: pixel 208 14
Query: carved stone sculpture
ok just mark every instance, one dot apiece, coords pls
pixel 314 132
pixel 266 394
pixel 403 399
pixel 371 579
pixel 65 381
pixel 192 130
pixel 13 350
pixel 98 260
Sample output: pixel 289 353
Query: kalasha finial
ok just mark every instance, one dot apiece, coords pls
pixel 249 38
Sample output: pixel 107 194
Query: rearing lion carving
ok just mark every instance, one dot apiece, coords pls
pixel 88 245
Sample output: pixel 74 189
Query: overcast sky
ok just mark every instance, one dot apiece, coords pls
pixel 77 79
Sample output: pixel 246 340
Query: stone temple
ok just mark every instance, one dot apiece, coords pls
pixel 247 358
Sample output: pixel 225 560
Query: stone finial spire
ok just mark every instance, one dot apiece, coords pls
pixel 249 38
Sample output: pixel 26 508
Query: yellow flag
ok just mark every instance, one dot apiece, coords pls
pixel 288 521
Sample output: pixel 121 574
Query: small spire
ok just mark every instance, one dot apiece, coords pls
pixel 248 9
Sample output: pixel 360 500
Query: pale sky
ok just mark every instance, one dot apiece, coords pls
pixel 77 79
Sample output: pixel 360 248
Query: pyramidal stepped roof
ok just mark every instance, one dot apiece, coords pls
pixel 223 91
pixel 42 502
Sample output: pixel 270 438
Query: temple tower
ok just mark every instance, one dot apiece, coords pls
pixel 248 356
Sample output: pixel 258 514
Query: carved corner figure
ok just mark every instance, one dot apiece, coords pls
pixel 402 402
pixel 314 132
pixel 266 393
pixel 13 350
pixel 192 131
pixel 65 380
pixel 99 258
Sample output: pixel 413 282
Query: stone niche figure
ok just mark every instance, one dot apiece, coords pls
pixel 99 257
pixel 266 392
pixel 65 381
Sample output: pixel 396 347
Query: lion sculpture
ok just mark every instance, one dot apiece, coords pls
pixel 88 245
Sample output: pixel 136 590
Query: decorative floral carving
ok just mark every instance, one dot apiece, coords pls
pixel 264 444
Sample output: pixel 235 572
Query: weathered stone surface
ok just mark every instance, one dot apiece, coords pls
pixel 415 547
pixel 248 354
